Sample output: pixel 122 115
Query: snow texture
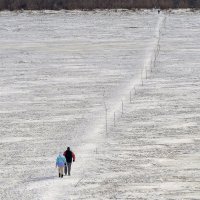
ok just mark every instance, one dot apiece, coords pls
pixel 61 71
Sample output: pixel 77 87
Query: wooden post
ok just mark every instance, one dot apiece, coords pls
pixel 106 117
pixel 122 107
pixel 114 120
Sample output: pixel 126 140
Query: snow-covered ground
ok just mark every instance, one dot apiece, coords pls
pixel 58 72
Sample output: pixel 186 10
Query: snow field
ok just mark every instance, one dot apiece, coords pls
pixel 94 139
pixel 152 153
pixel 58 68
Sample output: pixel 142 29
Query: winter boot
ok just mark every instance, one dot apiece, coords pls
pixel 59 175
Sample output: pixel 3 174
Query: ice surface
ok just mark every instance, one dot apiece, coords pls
pixel 60 69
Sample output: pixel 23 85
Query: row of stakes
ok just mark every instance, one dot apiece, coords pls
pixel 153 64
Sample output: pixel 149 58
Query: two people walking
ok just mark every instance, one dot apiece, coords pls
pixel 64 162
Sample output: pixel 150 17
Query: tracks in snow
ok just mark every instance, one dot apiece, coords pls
pixel 61 187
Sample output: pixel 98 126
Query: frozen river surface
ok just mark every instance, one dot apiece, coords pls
pixel 59 70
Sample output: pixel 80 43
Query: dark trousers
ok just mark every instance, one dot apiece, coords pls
pixel 68 168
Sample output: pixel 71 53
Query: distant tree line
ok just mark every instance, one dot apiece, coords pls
pixel 95 4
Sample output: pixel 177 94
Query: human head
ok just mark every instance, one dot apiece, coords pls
pixel 68 148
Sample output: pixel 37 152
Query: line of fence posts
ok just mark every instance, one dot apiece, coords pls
pixel 152 64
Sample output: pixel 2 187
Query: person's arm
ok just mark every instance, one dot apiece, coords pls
pixel 65 160
pixel 73 156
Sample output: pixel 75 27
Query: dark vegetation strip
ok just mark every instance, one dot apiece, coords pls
pixel 96 4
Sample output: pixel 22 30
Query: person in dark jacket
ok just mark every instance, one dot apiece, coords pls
pixel 70 156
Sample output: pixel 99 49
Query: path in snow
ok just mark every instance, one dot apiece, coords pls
pixel 154 151
pixel 64 188
pixel 58 68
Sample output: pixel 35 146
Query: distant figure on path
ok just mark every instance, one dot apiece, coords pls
pixel 60 163
pixel 69 155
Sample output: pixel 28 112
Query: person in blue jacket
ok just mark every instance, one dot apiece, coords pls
pixel 60 163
